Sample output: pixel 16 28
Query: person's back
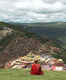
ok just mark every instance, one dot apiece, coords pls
pixel 36 69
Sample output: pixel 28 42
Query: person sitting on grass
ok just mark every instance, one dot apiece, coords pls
pixel 36 69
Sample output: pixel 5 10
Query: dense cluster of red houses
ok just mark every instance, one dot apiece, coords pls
pixel 46 63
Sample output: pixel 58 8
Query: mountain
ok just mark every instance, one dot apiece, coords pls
pixel 49 24
pixel 21 44
pixel 40 38
pixel 52 30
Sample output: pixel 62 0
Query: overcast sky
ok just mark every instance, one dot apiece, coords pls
pixel 28 11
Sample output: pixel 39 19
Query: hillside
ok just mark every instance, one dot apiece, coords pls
pixel 21 42
pixel 52 30
pixel 49 24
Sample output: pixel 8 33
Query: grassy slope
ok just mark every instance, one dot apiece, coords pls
pixel 24 75
pixel 3 24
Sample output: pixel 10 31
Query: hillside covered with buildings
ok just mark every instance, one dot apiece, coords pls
pixel 19 42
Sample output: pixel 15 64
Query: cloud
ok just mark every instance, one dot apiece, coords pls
pixel 28 11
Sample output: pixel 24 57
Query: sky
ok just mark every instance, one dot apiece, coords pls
pixel 31 11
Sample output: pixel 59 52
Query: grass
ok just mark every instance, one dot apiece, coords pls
pixel 25 75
